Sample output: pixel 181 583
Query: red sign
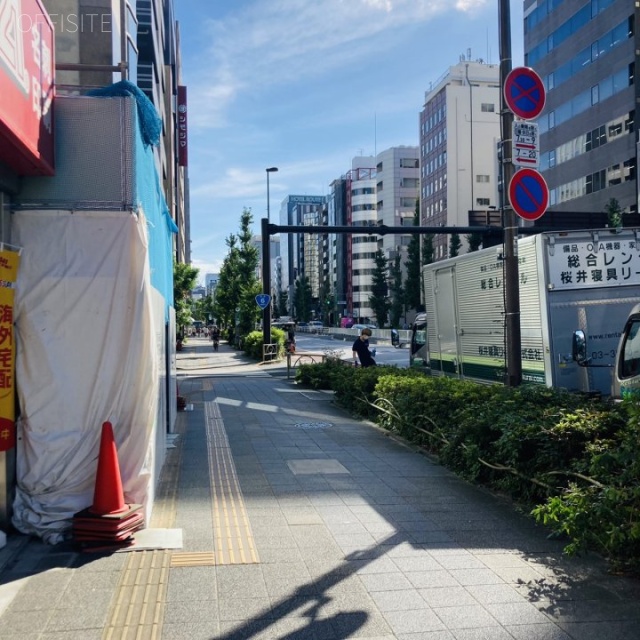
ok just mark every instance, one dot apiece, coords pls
pixel 183 148
pixel 26 87
pixel 528 194
pixel 524 93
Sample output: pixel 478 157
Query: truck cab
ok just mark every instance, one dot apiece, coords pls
pixel 626 376
pixel 626 369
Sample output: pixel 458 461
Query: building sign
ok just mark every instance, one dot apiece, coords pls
pixel 603 263
pixel 26 87
pixel 183 148
pixel 9 261
pixel 306 199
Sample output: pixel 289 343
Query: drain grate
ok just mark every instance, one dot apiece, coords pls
pixel 313 425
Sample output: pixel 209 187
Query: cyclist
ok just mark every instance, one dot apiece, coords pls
pixel 215 336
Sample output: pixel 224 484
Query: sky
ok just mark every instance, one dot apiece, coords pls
pixel 306 86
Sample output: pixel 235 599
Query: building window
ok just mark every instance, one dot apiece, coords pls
pixel 487 107
pixel 483 202
pixel 483 178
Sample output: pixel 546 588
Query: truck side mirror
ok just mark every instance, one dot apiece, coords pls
pixel 579 348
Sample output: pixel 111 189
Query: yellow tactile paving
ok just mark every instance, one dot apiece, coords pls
pixel 195 559
pixel 138 610
pixel 231 529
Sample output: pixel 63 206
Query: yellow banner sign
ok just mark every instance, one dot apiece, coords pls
pixel 9 261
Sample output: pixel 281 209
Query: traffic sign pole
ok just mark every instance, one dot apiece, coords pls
pixel 513 343
pixel 266 280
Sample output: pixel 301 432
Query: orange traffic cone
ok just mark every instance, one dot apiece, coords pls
pixel 108 497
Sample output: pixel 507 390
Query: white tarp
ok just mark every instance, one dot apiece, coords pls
pixel 85 354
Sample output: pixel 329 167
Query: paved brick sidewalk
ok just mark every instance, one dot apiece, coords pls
pixel 301 522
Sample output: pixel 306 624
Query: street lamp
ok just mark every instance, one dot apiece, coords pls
pixel 269 170
pixel 266 266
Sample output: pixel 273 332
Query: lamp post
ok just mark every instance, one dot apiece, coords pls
pixel 269 170
pixel 266 267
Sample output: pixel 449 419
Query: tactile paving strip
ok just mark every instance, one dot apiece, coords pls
pixel 233 538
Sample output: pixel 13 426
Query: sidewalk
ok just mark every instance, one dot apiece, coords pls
pixel 299 523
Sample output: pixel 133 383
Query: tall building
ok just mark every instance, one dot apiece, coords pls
pixel 397 189
pixel 300 251
pixel 459 131
pixel 585 53
pixel 361 210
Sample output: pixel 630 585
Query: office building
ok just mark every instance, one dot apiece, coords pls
pixel 585 53
pixel 459 131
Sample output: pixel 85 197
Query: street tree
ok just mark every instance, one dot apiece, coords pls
pixel 614 213
pixel 397 293
pixel 378 300
pixel 235 305
pixel 283 303
pixel 413 266
pixel 303 299
pixel 184 281
pixel 454 245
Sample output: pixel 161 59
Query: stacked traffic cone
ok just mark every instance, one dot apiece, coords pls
pixel 109 523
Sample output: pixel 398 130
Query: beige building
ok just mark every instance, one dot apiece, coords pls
pixel 459 131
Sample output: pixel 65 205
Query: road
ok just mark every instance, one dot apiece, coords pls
pixel 385 354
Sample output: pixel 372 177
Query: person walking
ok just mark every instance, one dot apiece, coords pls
pixel 361 350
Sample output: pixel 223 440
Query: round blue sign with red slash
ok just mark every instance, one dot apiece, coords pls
pixel 524 93
pixel 528 194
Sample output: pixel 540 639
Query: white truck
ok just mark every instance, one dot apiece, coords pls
pixel 577 289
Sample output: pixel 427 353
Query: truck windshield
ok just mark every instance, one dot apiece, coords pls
pixel 630 356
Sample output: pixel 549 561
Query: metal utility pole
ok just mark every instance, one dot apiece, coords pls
pixel 266 280
pixel 511 279
pixel 266 265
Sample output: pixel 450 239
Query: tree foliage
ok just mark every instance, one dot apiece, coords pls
pixel 184 281
pixel 378 300
pixel 454 245
pixel 327 302
pixel 283 303
pixel 474 240
pixel 413 265
pixel 302 299
pixel 238 284
pixel 614 213
pixel 397 293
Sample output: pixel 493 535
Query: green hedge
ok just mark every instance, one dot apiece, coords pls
pixel 252 343
pixel 571 460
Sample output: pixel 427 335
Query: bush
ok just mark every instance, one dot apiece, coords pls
pixel 252 343
pixel 572 460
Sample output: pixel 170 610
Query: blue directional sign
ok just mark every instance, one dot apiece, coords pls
pixel 528 194
pixel 263 300
pixel 524 93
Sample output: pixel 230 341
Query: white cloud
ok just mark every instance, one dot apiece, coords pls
pixel 277 41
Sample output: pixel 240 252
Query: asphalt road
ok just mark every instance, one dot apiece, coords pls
pixel 385 354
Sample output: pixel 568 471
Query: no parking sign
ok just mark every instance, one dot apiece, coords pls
pixel 524 93
pixel 528 194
